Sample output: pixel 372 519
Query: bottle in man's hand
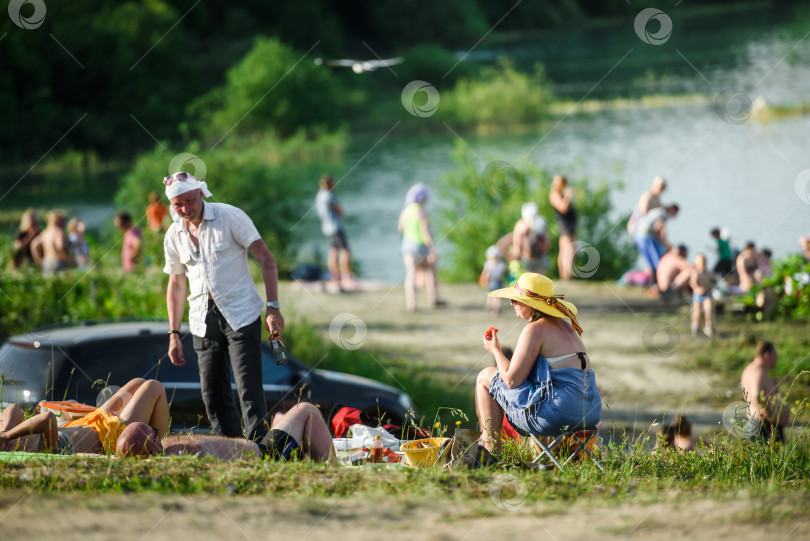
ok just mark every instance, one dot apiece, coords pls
pixel 277 346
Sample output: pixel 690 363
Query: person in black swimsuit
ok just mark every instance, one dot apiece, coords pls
pixel 561 198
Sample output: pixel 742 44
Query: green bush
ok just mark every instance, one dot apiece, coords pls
pixel 500 96
pixel 273 88
pixel 791 284
pixel 482 206
pixel 31 301
pixel 263 178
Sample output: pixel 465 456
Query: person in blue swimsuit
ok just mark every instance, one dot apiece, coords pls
pixel 548 386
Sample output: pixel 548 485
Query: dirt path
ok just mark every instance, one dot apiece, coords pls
pixel 633 340
pixel 157 517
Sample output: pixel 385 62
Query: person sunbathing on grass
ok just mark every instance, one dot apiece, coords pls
pixel 139 401
pixel 299 433
pixel 548 385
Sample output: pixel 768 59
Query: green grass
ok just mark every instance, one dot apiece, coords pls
pixel 631 473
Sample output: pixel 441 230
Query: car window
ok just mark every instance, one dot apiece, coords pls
pixel 27 369
pixel 118 360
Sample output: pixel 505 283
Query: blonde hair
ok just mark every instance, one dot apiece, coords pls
pixel 28 219
pixel 559 183
pixel 54 216
pixel 326 182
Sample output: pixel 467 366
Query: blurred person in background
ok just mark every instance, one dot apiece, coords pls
pixel 702 282
pixel 492 277
pixel 530 244
pixel 330 213
pixel 156 212
pixel 651 234
pixel 51 248
pixel 651 199
pixel 418 249
pixel 747 267
pixel 28 230
pixel 677 435
pixel 131 248
pixel 766 406
pixel 674 271
pixel 561 198
pixel 78 243
pixel 725 258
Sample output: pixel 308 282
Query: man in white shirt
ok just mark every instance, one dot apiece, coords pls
pixel 209 243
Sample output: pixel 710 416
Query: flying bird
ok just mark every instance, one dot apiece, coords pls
pixel 360 66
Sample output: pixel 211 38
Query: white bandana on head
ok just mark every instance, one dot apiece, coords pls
pixel 182 182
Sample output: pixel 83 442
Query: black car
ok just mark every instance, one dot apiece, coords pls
pixel 83 361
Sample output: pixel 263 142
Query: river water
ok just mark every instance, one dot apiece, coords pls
pixel 723 168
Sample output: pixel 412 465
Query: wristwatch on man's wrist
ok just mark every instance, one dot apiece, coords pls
pixel 272 304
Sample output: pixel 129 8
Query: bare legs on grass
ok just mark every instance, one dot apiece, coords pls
pixel 305 424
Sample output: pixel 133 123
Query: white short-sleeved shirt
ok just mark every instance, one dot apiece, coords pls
pixel 218 268
pixel 330 221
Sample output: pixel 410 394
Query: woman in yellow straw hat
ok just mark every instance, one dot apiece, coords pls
pixel 549 385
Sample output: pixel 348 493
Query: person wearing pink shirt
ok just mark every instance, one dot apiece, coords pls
pixel 131 249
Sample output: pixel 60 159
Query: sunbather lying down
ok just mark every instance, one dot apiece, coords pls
pixel 139 401
pixel 135 422
pixel 299 433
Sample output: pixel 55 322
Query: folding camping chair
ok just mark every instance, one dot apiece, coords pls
pixel 572 442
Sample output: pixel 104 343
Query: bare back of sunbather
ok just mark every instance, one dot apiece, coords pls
pixel 213 446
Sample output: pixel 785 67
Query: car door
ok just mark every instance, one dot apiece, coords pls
pixel 182 385
pixel 281 383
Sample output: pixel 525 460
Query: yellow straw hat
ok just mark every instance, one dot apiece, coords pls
pixel 537 291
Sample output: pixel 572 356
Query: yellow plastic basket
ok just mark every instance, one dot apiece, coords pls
pixel 425 452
